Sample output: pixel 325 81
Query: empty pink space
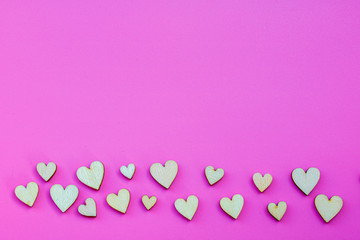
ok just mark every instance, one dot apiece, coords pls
pixel 247 86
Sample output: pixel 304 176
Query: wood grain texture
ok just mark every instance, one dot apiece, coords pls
pixel 128 171
pixel 148 202
pixel 277 211
pixel 93 176
pixel 64 198
pixel 262 182
pixel 187 208
pixel 89 209
pixel 306 182
pixel 46 171
pixel 164 175
pixel 328 209
pixel 119 202
pixel 27 194
pixel 232 207
pixel 212 175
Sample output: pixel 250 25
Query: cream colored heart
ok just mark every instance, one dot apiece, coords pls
pixel 277 211
pixel 212 175
pixel 232 207
pixel 89 209
pixel 328 209
pixel 46 171
pixel 262 182
pixel 27 194
pixel 148 202
pixel 164 175
pixel 92 176
pixel 306 182
pixel 119 202
pixel 128 171
pixel 64 198
pixel 187 208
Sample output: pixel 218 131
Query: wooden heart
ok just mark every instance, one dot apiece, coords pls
pixel 306 181
pixel 92 176
pixel 148 202
pixel 128 171
pixel 328 209
pixel 119 202
pixel 89 209
pixel 46 171
pixel 64 198
pixel 164 175
pixel 212 175
pixel 27 194
pixel 232 207
pixel 262 182
pixel 277 211
pixel 187 208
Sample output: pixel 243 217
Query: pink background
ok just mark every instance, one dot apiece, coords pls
pixel 248 86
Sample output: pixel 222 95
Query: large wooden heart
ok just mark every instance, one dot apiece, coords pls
pixel 27 194
pixel 64 198
pixel 92 176
pixel 234 206
pixel 187 208
pixel 306 182
pixel 328 209
pixel 164 175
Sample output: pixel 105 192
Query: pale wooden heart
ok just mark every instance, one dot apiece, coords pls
pixel 187 208
pixel 128 171
pixel 64 198
pixel 148 202
pixel 89 209
pixel 232 207
pixel 164 175
pixel 277 211
pixel 328 209
pixel 92 177
pixel 306 182
pixel 119 202
pixel 46 171
pixel 262 182
pixel 212 175
pixel 27 194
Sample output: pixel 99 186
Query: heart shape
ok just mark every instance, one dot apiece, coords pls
pixel 89 209
pixel 128 171
pixel 164 175
pixel 212 175
pixel 306 182
pixel 119 202
pixel 46 171
pixel 148 202
pixel 27 194
pixel 232 207
pixel 64 198
pixel 92 176
pixel 187 208
pixel 277 211
pixel 328 209
pixel 262 182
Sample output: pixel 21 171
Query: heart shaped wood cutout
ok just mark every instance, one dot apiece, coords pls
pixel 89 209
pixel 119 202
pixel 328 209
pixel 306 182
pixel 262 182
pixel 187 208
pixel 164 175
pixel 64 198
pixel 232 207
pixel 148 202
pixel 277 211
pixel 212 175
pixel 128 171
pixel 27 194
pixel 92 176
pixel 46 171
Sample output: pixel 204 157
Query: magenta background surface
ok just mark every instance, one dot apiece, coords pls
pixel 248 86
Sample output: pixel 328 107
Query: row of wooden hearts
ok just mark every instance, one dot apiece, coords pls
pixel 64 198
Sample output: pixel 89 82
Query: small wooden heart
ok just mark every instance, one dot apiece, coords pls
pixel 277 211
pixel 262 183
pixel 128 171
pixel 46 171
pixel 306 182
pixel 64 198
pixel 187 208
pixel 328 209
pixel 119 202
pixel 89 209
pixel 212 175
pixel 92 176
pixel 27 194
pixel 232 207
pixel 148 202
pixel 164 175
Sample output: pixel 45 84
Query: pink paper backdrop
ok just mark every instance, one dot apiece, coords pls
pixel 249 86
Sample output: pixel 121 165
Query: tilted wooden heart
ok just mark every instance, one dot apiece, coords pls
pixel 46 171
pixel 232 207
pixel 92 176
pixel 187 208
pixel 277 211
pixel 128 171
pixel 148 202
pixel 164 175
pixel 119 202
pixel 262 183
pixel 306 182
pixel 328 209
pixel 212 175
pixel 27 194
pixel 64 198
pixel 89 209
